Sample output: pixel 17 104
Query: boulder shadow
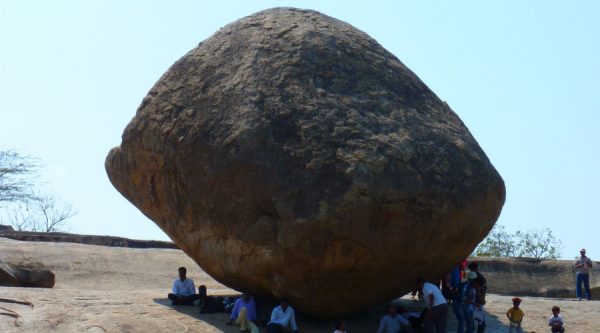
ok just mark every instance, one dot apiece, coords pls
pixel 216 320
pixel 365 321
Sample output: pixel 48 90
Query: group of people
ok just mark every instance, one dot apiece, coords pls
pixel 244 309
pixel 464 289
pixel 515 317
pixel 582 267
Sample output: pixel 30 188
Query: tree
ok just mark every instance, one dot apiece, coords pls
pixel 23 207
pixel 538 243
pixel 499 243
pixel 16 176
pixel 40 213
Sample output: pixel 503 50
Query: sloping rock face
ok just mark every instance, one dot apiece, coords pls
pixel 292 155
pixel 534 277
pixel 63 237
pixel 25 274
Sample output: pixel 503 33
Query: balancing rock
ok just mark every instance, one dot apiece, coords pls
pixel 292 155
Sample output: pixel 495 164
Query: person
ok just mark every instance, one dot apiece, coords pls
pixel 474 267
pixel 479 309
pixel 392 322
pixel 244 314
pixel 416 319
pixel 282 316
pixel 340 327
pixel 457 282
pixel 556 323
pixel 437 307
pixel 515 316
pixel 210 304
pixel 459 309
pixel 184 291
pixel 582 267
pixel 468 295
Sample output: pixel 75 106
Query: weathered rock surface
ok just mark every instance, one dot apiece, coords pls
pixel 25 273
pixel 64 237
pixel 291 155
pixel 534 277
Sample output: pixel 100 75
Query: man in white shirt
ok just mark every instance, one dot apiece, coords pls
pixel 437 308
pixel 582 267
pixel 184 291
pixel 282 316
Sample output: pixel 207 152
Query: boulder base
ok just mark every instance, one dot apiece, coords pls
pixel 292 155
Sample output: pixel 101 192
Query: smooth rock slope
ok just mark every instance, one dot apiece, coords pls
pixel 292 155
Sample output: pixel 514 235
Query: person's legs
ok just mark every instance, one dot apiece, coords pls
pixel 274 328
pixel 578 283
pixel 479 316
pixel 252 327
pixel 460 317
pixel 440 313
pixel 429 323
pixel 468 311
pixel 586 286
pixel 511 327
pixel 175 300
pixel 242 319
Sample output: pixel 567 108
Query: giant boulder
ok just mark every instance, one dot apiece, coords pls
pixel 292 155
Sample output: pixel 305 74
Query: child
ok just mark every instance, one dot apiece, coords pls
pixel 340 327
pixel 555 321
pixel 515 316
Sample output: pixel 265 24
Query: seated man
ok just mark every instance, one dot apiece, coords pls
pixel 244 314
pixel 184 291
pixel 282 316
pixel 392 322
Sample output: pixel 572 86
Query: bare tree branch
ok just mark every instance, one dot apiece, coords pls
pixel 16 175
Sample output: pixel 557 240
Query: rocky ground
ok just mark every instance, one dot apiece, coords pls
pixel 107 289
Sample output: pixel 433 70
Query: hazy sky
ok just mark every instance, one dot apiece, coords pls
pixel 524 76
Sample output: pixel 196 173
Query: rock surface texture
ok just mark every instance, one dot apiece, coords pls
pixel 25 273
pixel 292 155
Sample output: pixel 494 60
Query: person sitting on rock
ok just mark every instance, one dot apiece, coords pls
pixel 282 316
pixel 244 314
pixel 415 318
pixel 210 304
pixel 184 291
pixel 392 322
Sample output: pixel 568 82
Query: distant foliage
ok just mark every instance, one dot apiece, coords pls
pixel 537 243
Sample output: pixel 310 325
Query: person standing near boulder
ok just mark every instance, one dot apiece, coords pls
pixel 481 285
pixel 582 267
pixel 435 320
